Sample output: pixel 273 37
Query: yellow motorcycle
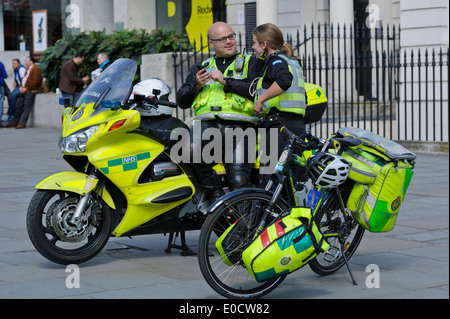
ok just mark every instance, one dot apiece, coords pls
pixel 125 182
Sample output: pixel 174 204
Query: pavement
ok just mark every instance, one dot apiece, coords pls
pixel 411 262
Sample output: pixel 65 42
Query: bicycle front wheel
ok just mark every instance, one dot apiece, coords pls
pixel 225 271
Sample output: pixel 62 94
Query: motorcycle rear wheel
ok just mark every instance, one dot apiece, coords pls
pixel 53 235
pixel 234 281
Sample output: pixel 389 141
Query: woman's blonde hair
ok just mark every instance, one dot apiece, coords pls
pixel 273 36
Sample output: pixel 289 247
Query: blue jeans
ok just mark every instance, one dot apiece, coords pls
pixel 2 98
pixel 12 102
pixel 71 96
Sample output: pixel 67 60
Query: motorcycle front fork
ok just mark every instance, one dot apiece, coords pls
pixel 82 203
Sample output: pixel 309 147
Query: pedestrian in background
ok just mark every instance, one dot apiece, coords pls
pixel 19 73
pixel 3 76
pixel 30 86
pixel 69 79
pixel 103 63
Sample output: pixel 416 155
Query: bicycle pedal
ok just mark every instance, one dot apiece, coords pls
pixel 332 254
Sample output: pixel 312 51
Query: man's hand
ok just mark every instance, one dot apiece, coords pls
pixel 202 78
pixel 217 76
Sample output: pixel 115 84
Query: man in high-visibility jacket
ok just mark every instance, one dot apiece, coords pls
pixel 218 91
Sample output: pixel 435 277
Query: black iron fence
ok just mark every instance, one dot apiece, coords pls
pixel 369 80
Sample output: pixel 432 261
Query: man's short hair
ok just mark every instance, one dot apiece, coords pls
pixel 104 55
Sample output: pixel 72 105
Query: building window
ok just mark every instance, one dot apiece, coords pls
pixel 17 20
pixel 250 24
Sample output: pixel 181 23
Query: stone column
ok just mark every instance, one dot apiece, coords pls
pixel 266 11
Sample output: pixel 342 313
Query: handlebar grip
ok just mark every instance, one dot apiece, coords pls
pixel 155 101
pixel 286 132
pixel 167 103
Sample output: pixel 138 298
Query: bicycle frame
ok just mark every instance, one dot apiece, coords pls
pixel 282 178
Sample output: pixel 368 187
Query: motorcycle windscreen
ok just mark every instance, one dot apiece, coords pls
pixel 114 84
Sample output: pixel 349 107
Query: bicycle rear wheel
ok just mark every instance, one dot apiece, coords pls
pixel 343 234
pixel 231 279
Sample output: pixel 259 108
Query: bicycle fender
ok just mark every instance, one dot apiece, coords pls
pixel 75 182
pixel 222 199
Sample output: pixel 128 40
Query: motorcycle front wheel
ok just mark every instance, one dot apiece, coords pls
pixel 56 237
pixel 231 279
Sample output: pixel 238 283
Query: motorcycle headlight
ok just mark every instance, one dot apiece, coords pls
pixel 76 143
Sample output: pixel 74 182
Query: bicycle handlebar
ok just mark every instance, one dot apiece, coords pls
pixel 300 141
pixel 284 130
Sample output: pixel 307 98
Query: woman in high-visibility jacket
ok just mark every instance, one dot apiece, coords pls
pixel 280 97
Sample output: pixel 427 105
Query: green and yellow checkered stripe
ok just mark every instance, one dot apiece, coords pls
pixel 124 164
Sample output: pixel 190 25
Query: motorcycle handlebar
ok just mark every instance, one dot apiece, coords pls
pixel 154 101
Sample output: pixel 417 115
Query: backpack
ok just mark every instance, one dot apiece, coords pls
pixel 316 103
pixel 382 171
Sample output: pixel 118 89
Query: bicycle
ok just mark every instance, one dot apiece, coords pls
pixel 244 214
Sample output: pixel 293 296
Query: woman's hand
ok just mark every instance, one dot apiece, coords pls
pixel 258 107
pixel 272 92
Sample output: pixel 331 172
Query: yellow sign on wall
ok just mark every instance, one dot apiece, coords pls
pixel 200 21
pixel 171 9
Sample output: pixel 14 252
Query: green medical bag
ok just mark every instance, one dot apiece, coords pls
pixel 284 246
pixel 382 170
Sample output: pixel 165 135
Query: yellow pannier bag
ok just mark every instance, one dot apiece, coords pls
pixel 359 171
pixel 284 246
pixel 376 206
pixel 382 170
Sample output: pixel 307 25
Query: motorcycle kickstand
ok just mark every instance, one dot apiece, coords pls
pixel 347 264
pixel 185 250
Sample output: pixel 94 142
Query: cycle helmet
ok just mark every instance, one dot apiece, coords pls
pixel 327 170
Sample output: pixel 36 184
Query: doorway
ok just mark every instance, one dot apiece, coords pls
pixel 362 50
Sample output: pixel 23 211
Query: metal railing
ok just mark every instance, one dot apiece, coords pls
pixel 370 82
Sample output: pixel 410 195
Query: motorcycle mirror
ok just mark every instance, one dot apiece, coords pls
pixel 156 92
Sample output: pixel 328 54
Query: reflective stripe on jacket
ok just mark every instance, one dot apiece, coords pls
pixel 293 99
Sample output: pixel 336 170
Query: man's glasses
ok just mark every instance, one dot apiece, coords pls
pixel 223 40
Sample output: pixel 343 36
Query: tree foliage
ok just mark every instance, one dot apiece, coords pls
pixel 130 44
